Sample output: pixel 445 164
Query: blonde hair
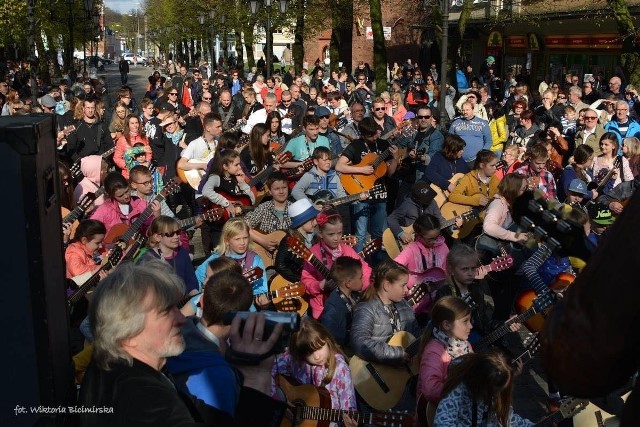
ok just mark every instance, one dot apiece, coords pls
pixel 231 229
pixel 160 225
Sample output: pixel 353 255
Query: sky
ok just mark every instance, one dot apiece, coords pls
pixel 121 5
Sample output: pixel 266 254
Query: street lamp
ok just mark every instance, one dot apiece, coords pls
pixel 70 53
pixel 253 7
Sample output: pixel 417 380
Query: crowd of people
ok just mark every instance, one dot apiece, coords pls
pixel 296 178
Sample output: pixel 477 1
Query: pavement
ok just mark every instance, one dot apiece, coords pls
pixel 530 391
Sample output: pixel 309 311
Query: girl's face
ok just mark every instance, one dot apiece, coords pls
pixel 134 125
pixel 465 271
pixel 523 187
pixel 429 238
pixel 331 234
pixel 233 168
pixel 625 150
pixel 398 289
pixel 121 112
pixel 606 146
pixel 94 244
pixel 275 123
pixel 308 226
pixel 169 240
pixel 265 138
pixel 589 162
pixel 460 328
pixel 239 243
pixel 122 195
pixel 489 169
pixel 319 357
pixel 459 155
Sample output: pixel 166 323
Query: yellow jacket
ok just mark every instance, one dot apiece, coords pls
pixel 499 133
pixel 470 189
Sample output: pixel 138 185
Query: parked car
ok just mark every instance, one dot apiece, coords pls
pixel 129 58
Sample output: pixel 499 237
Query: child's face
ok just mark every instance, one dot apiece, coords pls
pixel 239 243
pixel 538 165
pixel 465 271
pixel 570 115
pixel 489 169
pixel 319 357
pixel 233 168
pixel 323 164
pixel 308 226
pixel 460 328
pixel 94 244
pixel 142 184
pixel 355 283
pixel 429 238
pixel 280 191
pixel 331 234
pixel 398 289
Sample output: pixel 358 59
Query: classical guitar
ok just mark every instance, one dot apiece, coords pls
pixel 261 177
pixel 287 300
pixel 382 386
pixel 431 280
pixel 325 197
pixel 208 215
pixel 533 312
pixel 124 232
pixel 451 210
pixel 356 182
pixel 241 204
pixel 75 171
pixel 311 407
pixel 599 187
pixel 442 196
pixel 268 257
pixel 252 275
pixel 568 408
pixel 394 245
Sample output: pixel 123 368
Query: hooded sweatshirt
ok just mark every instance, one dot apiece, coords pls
pixel 90 167
pixel 202 369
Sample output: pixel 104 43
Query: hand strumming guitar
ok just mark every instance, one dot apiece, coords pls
pixel 616 207
pixel 366 170
pixel 484 200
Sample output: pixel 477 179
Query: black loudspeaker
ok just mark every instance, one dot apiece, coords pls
pixel 38 374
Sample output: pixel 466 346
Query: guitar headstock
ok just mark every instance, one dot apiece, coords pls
pixel 114 256
pixel 292 290
pixel 290 305
pixel 253 275
pixel 501 263
pixel 392 419
pixel 307 164
pixel 211 215
pixel 532 343
pixel 472 214
pixel 378 192
pixel 571 406
pixel 75 171
pixel 173 186
pixel 418 292
pixel 283 158
pixel 298 248
pixel 473 305
pixel 349 240
pixel 371 247
pixel 86 201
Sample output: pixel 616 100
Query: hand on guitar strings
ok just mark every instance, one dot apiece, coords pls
pixel 515 326
pixel 367 170
pixel 364 196
pixel 406 238
pixel 459 222
pixel 616 207
pixel 348 421
pixel 66 233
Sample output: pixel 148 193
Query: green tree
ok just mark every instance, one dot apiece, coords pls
pixel 630 57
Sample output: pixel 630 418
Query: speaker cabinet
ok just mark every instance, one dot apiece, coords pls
pixel 36 357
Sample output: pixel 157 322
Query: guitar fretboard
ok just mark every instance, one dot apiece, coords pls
pixel 505 329
pixel 141 219
pixel 80 210
pixel 327 414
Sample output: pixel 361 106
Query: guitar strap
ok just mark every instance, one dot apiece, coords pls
pixel 225 116
pixel 425 266
pixel 474 413
pixel 349 302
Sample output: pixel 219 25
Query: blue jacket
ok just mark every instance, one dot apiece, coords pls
pixel 259 286
pixel 440 170
pixel 181 264
pixel 633 130
pixel 568 175
pixel 337 318
pixel 461 80
pixel 475 132
pixel 202 370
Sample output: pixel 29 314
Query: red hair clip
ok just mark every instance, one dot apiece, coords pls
pixel 324 218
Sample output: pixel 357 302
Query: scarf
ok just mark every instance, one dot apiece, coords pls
pixel 455 347
pixel 335 253
pixel 176 136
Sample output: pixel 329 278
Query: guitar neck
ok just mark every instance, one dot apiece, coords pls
pixel 345 199
pixel 335 415
pixel 261 176
pixel 141 219
pixel 90 283
pixel 320 267
pixel 505 329
pixel 550 420
pixel 134 248
pixel 72 216
pixel 108 152
pixel 381 158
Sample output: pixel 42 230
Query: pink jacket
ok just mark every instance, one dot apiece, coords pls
pixel 312 277
pixel 109 213
pixel 78 260
pixel 411 258
pixel 434 364
pixel 90 168
pixel 497 220
pixel 122 146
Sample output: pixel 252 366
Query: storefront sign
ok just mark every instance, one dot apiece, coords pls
pixel 495 39
pixel 584 41
pixel 534 44
pixel 385 30
pixel 517 42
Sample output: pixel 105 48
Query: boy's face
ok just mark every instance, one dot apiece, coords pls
pixel 355 283
pixel 279 191
pixel 323 164
pixel 570 115
pixel 538 165
pixel 574 197
pixel 142 184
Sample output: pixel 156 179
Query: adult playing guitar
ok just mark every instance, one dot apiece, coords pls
pixel 362 163
pixel 200 151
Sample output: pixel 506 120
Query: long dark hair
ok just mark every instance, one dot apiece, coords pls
pixel 259 153
pixel 66 189
pixel 488 377
pixel 452 145
pixel 274 115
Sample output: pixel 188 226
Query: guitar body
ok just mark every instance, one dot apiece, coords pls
pixel 451 210
pixel 192 176
pixel 392 245
pixel 393 378
pixel 443 195
pixel 357 182
pixel 284 303
pixel 267 256
pixel 303 395
pixel 115 232
pixel 525 300
pixel 594 416
pixel 74 224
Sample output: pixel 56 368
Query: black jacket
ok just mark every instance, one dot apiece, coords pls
pixel 88 139
pixel 287 264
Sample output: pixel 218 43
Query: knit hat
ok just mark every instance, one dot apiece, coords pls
pixel 301 211
pixel 322 111
pixel 422 193
pixel 48 101
pixel 578 186
pixel 491 59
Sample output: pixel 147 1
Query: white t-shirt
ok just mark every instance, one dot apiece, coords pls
pixel 199 149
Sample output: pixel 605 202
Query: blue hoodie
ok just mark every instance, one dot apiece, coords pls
pixel 203 371
pixel 476 134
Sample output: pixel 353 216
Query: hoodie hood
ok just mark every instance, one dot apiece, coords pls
pixel 90 167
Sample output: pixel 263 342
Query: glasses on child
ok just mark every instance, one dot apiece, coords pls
pixel 171 233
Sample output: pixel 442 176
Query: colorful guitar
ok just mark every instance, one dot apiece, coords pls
pixel 124 232
pixel 311 407
pixel 526 302
pixel 394 246
pixel 382 386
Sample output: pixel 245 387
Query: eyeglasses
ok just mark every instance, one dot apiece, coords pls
pixel 171 233
pixel 323 117
pixel 286 101
pixel 379 109
pixel 206 99
pixel 205 84
pixel 471 97
pixel 144 182
pixel 590 118
pixel 423 117
pixel 235 75
pixel 357 111
pixel 173 93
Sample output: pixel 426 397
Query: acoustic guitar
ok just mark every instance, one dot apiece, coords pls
pixel 442 196
pixel 260 178
pixel 382 386
pixel 311 407
pixel 325 197
pixel 73 217
pixel 124 232
pixel 451 210
pixel 526 302
pixel 288 298
pixel 252 275
pixel 394 246
pixel 356 182
pixel 75 171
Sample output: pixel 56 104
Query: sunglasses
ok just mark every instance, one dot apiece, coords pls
pixel 171 234
pixel 423 117
pixel 562 97
pixel 206 99
pixel 323 117
pixel 590 118
pixel 286 101
pixel 380 109
pixel 173 93
pixel 205 84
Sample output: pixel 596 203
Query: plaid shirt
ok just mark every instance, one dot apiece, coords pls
pixel 547 183
pixel 264 219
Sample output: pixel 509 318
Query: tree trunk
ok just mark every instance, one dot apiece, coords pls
pixel 298 44
pixel 239 50
pixel 630 57
pixel 52 58
pixel 248 44
pixel 336 42
pixel 42 54
pixel 379 46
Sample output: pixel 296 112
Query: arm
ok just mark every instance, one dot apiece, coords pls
pixel 460 193
pixel 287 266
pixel 435 144
pixel 346 390
pixel 343 166
pixel 118 155
pixel 486 137
pixel 312 279
pixel 184 164
pixel 433 371
pixel 301 186
pixel 209 192
pixel 362 338
pixel 492 224
pixel 394 219
pixel 531 266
